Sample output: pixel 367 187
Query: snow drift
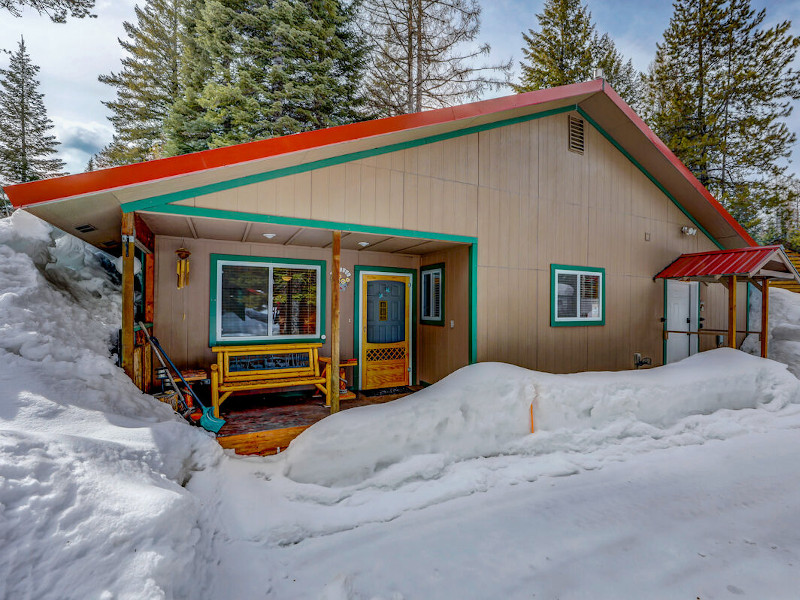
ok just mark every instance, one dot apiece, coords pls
pixel 91 469
pixel 481 409
pixel 784 327
pixel 105 493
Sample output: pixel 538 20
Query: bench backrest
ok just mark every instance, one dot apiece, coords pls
pixel 276 361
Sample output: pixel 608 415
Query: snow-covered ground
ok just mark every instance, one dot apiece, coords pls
pixel 676 482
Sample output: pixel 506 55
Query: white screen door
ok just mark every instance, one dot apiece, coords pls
pixel 682 314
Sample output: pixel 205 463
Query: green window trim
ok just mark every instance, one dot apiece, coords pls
pixel 432 320
pixel 555 320
pixel 214 337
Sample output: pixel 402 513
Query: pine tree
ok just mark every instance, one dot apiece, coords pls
pixel 147 86
pixel 566 49
pixel 26 149
pixel 260 69
pixel 57 10
pixel 423 55
pixel 720 89
pixel 185 128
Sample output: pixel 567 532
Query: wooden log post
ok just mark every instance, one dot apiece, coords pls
pixel 764 317
pixel 335 331
pixel 732 311
pixel 128 252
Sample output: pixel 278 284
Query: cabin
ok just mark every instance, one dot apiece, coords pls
pixel 533 229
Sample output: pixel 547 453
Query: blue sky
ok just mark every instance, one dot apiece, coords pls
pixel 71 56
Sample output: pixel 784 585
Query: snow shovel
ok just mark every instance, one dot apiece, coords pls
pixel 207 421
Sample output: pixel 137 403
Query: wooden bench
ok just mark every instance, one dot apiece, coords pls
pixel 251 368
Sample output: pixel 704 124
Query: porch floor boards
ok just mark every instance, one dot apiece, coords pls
pixel 261 424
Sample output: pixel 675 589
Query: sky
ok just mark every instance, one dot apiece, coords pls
pixel 72 55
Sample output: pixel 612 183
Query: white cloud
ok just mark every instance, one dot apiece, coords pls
pixel 79 140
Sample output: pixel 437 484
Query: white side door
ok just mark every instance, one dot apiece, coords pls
pixel 682 314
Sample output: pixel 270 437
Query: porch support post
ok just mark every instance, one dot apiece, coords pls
pixel 128 246
pixel 335 337
pixel 732 311
pixel 764 316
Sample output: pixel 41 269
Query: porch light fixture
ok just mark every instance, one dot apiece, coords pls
pixel 269 236
pixel 688 230
pixel 363 244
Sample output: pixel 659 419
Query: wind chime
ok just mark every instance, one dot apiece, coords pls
pixel 183 267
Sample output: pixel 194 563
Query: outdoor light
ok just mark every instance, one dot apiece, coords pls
pixel 688 230
pixel 363 244
pixel 269 236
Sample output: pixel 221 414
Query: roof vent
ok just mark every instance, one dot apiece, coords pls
pixel 576 137
pixel 110 244
pixel 86 228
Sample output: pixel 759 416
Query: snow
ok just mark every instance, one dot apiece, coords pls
pixel 784 327
pixel 673 482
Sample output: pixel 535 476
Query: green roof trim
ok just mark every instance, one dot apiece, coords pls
pixel 647 174
pixel 154 201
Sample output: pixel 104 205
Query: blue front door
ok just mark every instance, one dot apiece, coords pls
pixel 385 331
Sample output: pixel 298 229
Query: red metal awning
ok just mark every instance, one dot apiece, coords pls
pixel 756 261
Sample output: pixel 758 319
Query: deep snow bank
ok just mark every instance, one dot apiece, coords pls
pixel 481 409
pixel 784 327
pixel 91 469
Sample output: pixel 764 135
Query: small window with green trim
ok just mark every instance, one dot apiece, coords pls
pixel 577 295
pixel 257 299
pixel 432 296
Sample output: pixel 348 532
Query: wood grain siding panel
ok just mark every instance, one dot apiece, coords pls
pixel 531 203
pixel 182 316
pixel 442 350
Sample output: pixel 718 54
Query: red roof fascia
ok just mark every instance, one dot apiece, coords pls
pixel 676 162
pixel 45 190
pixel 718 262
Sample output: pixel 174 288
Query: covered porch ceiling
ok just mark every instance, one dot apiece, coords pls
pixel 286 235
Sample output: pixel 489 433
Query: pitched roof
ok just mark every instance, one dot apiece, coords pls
pixel 97 196
pixel 758 261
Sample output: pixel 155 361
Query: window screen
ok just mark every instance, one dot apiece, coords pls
pixel 577 296
pixel 432 296
pixel 266 300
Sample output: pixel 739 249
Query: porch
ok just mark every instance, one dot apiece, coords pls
pixel 266 424
pixel 209 285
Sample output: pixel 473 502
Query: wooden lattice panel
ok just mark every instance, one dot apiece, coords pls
pixel 381 354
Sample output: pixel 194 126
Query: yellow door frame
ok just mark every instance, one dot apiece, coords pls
pixel 363 274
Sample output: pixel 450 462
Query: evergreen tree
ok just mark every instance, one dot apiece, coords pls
pixel 185 128
pixel 423 55
pixel 57 10
pixel 566 49
pixel 26 148
pixel 720 88
pixel 260 68
pixel 147 86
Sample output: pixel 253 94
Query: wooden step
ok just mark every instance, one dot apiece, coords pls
pixel 261 443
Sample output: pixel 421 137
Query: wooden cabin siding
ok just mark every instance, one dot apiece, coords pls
pixel 182 316
pixel 444 349
pixel 531 203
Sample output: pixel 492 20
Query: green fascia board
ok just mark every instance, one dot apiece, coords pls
pixel 440 321
pixel 212 305
pixel 357 314
pixel 554 301
pixel 153 201
pixel 214 213
pixel 647 174
pixel 473 304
